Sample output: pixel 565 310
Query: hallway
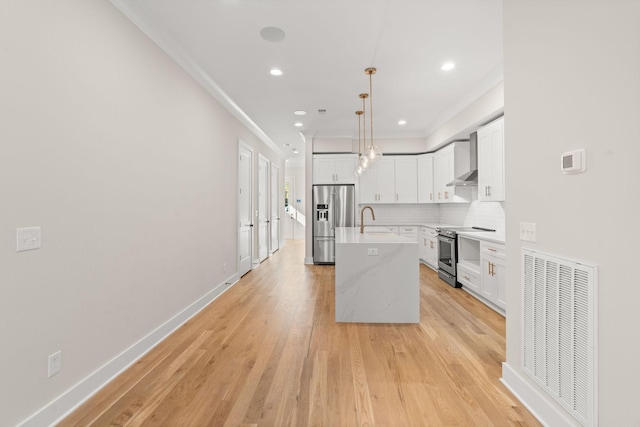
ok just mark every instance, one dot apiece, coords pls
pixel 269 353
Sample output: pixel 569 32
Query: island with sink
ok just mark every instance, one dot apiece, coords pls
pixel 376 276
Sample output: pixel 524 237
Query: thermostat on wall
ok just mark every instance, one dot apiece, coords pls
pixel 573 161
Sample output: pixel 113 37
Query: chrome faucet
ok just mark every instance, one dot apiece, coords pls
pixel 373 216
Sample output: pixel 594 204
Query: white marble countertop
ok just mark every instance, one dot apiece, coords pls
pixel 352 235
pixel 489 236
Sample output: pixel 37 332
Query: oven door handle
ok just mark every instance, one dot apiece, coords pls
pixel 446 239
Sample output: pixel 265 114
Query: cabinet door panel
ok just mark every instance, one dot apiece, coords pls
pixel 385 169
pixel 344 169
pixel 323 171
pixel 491 161
pixel 425 179
pixel 368 187
pixel 406 178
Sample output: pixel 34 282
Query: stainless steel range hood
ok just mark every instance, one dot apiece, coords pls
pixel 471 177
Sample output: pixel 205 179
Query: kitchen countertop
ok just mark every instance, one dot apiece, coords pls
pixel 489 236
pixel 352 235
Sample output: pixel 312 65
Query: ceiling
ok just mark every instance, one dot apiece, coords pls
pixel 326 47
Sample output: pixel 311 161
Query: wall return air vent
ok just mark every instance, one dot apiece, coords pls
pixel 560 331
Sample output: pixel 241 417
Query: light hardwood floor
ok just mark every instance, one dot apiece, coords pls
pixel 268 352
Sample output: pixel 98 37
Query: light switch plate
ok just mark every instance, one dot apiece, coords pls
pixel 55 363
pixel 28 238
pixel 529 231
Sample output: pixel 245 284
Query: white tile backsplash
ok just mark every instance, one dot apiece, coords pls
pixel 478 214
pixel 402 214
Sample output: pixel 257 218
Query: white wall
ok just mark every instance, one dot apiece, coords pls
pixel 482 110
pixel 299 193
pixel 572 80
pixel 130 168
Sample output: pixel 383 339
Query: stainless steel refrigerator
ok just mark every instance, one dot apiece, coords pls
pixel 333 206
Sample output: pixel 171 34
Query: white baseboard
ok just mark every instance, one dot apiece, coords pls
pixel 308 260
pixel 67 402
pixel 542 407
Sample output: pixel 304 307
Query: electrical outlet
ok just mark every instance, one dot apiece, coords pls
pixel 529 231
pixel 372 251
pixel 55 363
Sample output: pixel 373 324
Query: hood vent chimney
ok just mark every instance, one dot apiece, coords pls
pixel 471 177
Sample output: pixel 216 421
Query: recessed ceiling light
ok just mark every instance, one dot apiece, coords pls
pixel 295 151
pixel 276 72
pixel 298 124
pixel 402 122
pixel 287 144
pixel 272 34
pixel 300 113
pixel 447 66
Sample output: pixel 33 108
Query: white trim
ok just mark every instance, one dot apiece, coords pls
pixel 544 409
pixel 59 408
pixel 175 51
pixel 308 260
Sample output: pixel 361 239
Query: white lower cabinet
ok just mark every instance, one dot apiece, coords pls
pixel 481 271
pixel 408 231
pixel 429 246
pixel 469 277
pixel 493 273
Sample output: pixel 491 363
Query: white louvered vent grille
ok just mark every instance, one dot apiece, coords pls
pixel 559 330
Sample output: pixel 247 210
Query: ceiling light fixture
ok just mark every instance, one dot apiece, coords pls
pixel 276 72
pixel 300 113
pixel 374 152
pixel 272 34
pixel 448 66
pixel 298 124
pixel 295 151
pixel 402 122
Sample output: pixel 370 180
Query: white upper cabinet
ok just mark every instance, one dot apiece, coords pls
pixel 491 162
pixel 442 174
pixel 377 183
pixel 446 170
pixel 390 180
pixel 334 168
pixel 425 179
pixel 406 179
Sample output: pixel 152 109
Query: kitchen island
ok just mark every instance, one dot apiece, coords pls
pixel 377 277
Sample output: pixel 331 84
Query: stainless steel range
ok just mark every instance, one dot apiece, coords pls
pixel 448 252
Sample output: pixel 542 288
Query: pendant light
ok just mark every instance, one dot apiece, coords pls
pixel 359 167
pixel 363 160
pixel 374 153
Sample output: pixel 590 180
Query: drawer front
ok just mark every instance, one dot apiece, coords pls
pixel 404 229
pixel 493 249
pixel 468 278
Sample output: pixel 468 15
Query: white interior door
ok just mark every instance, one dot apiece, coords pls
pixel 263 208
pixel 275 209
pixel 245 218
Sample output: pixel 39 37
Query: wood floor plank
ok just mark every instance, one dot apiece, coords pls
pixel 268 352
